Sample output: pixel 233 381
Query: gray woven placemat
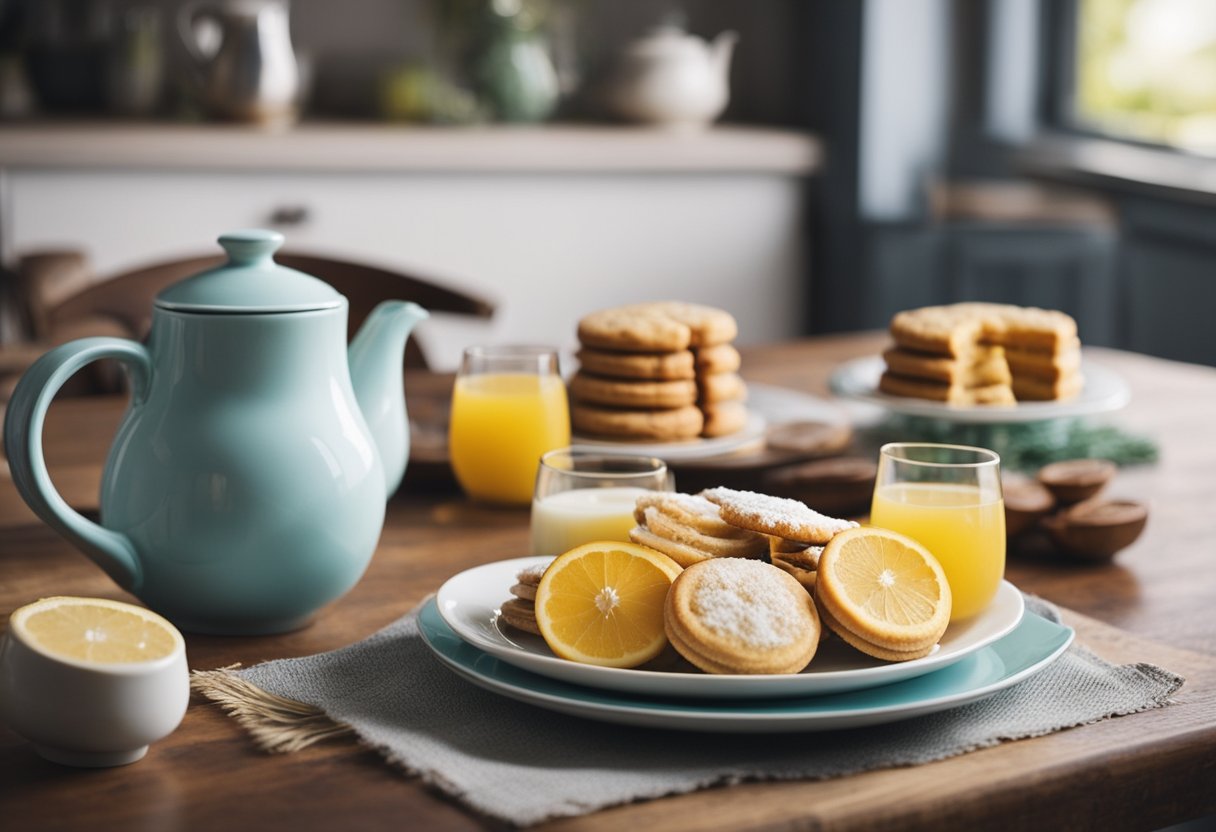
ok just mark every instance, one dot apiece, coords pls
pixel 521 764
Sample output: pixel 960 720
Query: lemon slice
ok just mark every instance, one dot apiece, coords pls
pixel 884 587
pixel 602 603
pixel 95 630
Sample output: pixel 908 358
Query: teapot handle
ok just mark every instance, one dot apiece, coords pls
pixel 23 423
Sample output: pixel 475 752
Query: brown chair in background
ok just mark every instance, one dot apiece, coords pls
pixel 60 305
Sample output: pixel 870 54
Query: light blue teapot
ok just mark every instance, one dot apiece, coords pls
pixel 247 482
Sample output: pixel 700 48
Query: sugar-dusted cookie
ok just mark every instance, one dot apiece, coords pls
pixel 777 516
pixel 730 615
pixel 591 389
pixel 692 510
pixel 658 425
pixel 681 553
pixel 638 365
pixel 732 546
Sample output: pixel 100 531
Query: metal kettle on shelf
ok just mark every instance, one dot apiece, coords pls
pixel 244 65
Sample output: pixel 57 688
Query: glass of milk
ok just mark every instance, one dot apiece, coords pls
pixel 583 496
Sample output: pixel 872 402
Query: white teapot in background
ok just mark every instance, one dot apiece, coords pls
pixel 672 78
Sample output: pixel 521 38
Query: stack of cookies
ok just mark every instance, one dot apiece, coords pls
pixel 520 609
pixel 725 523
pixel 662 371
pixel 983 354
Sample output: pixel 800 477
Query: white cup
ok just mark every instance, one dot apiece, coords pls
pixel 93 714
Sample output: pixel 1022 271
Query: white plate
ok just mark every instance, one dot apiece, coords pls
pixel 767 406
pixel 469 603
pixel 1033 645
pixel 753 431
pixel 1103 391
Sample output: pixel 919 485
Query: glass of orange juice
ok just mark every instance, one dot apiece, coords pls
pixel 947 497
pixel 584 496
pixel 508 407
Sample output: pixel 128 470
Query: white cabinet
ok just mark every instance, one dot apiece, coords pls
pixel 547 244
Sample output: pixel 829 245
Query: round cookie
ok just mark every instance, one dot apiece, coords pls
pixel 659 425
pixel 709 326
pixel 664 366
pixel 520 614
pixel 689 509
pixel 681 553
pixel 721 387
pixel 615 393
pixel 776 516
pixel 723 418
pixel 859 643
pixel 624 328
pixel 720 358
pixel 667 528
pixel 731 615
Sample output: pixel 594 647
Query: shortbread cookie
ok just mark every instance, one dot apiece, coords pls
pixel 681 553
pixel 778 516
pixel 691 510
pixel 1031 328
pixel 747 546
pixel 623 328
pixel 806 577
pixel 520 614
pixel 956 394
pixel 1026 388
pixel 729 615
pixel 723 418
pixel 795 552
pixel 661 395
pixel 656 366
pixel 525 592
pixel 657 425
pixel 944 330
pixel 859 643
pixel 662 326
pixel 721 387
pixel 985 366
pixel 709 326
pixel 1049 366
pixel 721 358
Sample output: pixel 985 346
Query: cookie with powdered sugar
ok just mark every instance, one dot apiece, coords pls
pixel 733 615
pixel 777 516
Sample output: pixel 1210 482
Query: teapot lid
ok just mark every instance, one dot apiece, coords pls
pixel 250 281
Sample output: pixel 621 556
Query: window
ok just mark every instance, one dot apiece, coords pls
pixel 1144 70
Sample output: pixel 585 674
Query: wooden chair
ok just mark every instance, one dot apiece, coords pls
pixel 122 304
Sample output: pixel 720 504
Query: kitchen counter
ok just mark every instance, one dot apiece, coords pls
pixel 347 147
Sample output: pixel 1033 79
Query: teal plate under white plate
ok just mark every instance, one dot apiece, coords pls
pixel 1032 646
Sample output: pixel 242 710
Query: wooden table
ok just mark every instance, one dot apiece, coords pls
pixel 1136 772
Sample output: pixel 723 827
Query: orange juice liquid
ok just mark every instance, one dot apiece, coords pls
pixel 501 424
pixel 963 527
pixel 571 518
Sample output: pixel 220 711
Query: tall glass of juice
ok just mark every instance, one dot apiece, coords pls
pixel 947 497
pixel 585 496
pixel 508 407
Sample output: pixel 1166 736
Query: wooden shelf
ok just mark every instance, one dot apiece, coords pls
pixel 341 147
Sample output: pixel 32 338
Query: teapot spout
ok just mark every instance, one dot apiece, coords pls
pixel 376 354
pixel 721 50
